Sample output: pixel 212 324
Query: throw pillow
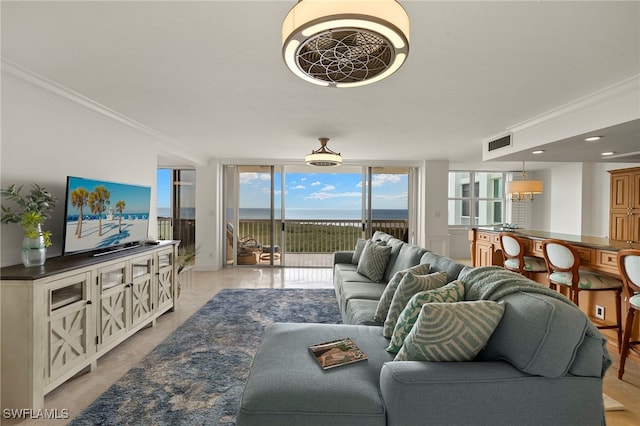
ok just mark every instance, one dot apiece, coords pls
pixel 410 285
pixel 452 292
pixel 451 331
pixel 357 252
pixel 385 300
pixel 373 260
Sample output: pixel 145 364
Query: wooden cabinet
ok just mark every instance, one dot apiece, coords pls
pixel 624 213
pixel 58 319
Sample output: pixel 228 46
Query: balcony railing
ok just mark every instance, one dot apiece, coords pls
pixel 181 229
pixel 317 236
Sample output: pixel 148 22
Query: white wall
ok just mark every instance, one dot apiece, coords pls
pixel 46 137
pixel 433 228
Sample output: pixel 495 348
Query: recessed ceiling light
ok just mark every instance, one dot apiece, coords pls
pixel 608 153
pixel 539 151
pixel 593 138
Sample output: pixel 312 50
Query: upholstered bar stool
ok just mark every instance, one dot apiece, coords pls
pixel 629 267
pixel 563 264
pixel 514 258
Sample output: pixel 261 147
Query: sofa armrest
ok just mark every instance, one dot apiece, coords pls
pixel 342 257
pixel 485 393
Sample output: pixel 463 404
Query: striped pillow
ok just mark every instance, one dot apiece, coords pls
pixel 410 285
pixel 387 296
pixel 451 331
pixel 452 292
pixel 373 260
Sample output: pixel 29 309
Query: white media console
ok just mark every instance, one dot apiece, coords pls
pixel 59 318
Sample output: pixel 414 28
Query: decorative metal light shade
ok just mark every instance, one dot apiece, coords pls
pixel 520 190
pixel 345 43
pixel 323 157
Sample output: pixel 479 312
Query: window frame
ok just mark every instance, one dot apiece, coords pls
pixel 474 198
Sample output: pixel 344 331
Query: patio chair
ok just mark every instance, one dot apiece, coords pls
pixel 247 247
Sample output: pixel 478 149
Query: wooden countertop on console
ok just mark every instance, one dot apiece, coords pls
pixel 59 264
pixel 578 240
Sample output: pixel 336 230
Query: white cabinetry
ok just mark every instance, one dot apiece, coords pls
pixel 58 319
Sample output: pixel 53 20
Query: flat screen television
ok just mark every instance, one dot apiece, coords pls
pixel 102 216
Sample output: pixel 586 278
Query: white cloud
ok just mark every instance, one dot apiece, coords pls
pixel 326 195
pixel 328 188
pixel 299 187
pixel 248 177
pixel 379 180
pixel 303 179
pixel 316 183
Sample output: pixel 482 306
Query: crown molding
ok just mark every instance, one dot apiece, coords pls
pixel 169 144
pixel 629 85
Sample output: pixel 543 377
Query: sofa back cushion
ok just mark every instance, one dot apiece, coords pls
pixel 408 256
pixel 396 245
pixel 539 335
pixel 441 263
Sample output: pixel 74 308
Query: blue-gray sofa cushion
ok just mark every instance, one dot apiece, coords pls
pixel 307 394
pixel 408 256
pixel 538 334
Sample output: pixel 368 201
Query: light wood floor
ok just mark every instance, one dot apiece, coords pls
pixel 198 287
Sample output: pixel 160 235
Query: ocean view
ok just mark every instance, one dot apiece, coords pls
pixel 306 214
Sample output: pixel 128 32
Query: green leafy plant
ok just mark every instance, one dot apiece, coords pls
pixel 31 211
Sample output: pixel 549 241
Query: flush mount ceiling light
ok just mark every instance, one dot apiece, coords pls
pixel 345 43
pixel 593 138
pixel 323 156
pixel 520 190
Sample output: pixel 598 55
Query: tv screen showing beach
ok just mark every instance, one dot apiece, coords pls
pixel 102 215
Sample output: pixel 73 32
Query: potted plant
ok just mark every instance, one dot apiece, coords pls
pixel 30 212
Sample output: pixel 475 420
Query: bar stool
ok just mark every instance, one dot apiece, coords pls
pixel 514 258
pixel 629 267
pixel 563 264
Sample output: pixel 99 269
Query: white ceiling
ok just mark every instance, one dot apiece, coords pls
pixel 209 75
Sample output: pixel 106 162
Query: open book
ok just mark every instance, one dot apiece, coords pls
pixel 336 352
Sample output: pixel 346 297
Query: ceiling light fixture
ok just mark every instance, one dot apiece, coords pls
pixel 521 190
pixel 593 138
pixel 537 152
pixel 607 154
pixel 323 156
pixel 345 43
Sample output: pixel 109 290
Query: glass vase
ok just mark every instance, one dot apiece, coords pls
pixel 34 252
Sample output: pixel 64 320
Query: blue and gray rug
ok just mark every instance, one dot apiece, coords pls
pixel 197 374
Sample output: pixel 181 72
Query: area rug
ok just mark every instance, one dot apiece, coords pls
pixel 197 374
pixel 611 404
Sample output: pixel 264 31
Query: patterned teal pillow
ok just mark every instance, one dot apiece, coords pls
pixel 452 292
pixel 373 260
pixel 451 331
pixel 385 301
pixel 408 286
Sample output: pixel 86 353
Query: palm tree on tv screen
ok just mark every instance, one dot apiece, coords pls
pixel 79 198
pixel 120 208
pixel 98 202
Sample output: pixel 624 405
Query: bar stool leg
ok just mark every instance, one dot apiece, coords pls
pixel 619 317
pixel 625 341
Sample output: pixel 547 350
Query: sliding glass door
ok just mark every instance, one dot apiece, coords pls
pixel 298 216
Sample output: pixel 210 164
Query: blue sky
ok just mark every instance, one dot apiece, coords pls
pixel 309 190
pixel 137 198
pixel 324 191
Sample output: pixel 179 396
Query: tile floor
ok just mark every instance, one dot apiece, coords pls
pixel 199 287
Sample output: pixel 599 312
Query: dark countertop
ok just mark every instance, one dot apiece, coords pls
pixel 60 264
pixel 579 240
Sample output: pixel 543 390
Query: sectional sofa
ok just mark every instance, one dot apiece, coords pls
pixel 543 362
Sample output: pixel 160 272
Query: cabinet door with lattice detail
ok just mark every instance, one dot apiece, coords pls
pixel 141 292
pixel 112 310
pixel 166 279
pixel 69 324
